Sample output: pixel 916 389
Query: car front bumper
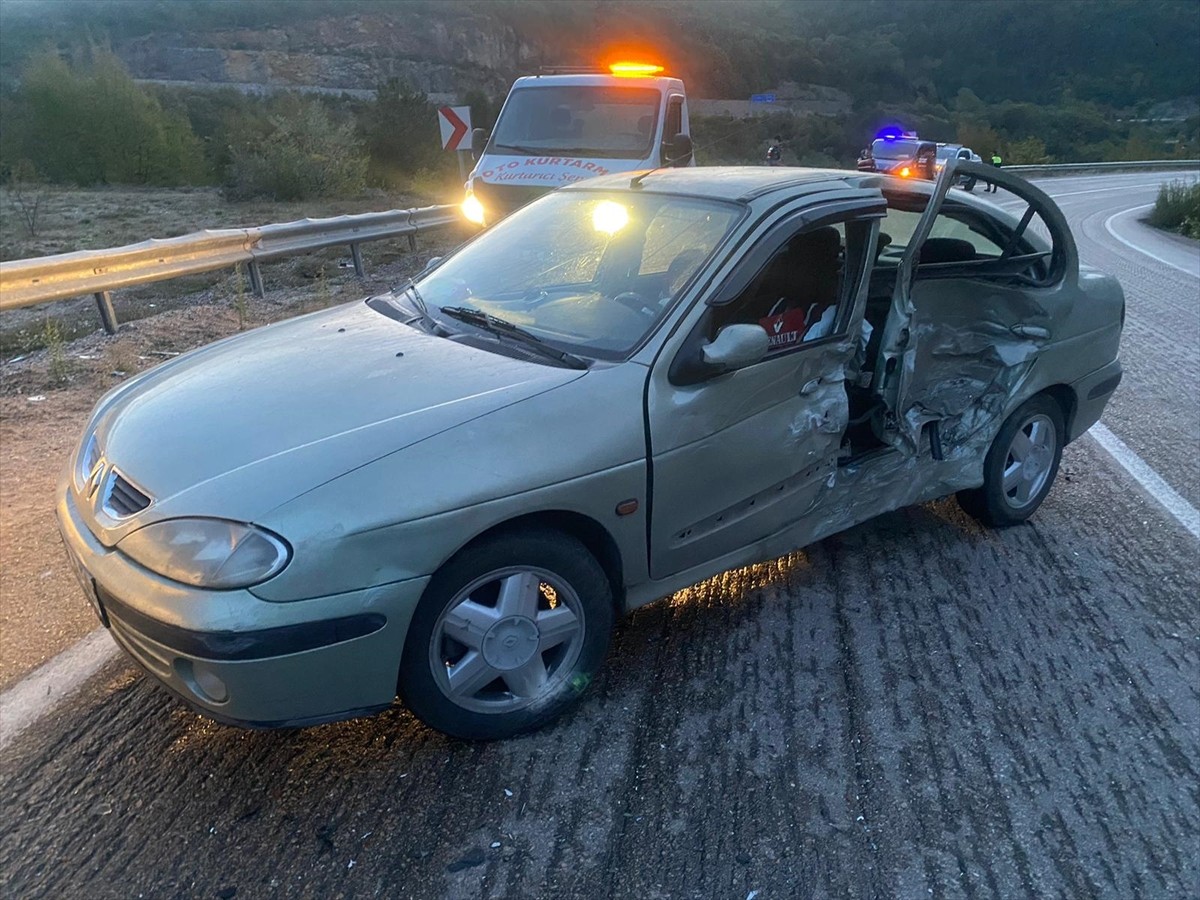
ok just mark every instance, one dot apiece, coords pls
pixel 240 659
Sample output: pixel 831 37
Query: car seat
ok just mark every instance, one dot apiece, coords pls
pixel 800 288
pixel 946 250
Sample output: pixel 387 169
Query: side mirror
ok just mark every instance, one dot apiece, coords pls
pixel 479 139
pixel 677 151
pixel 736 347
pixel 433 261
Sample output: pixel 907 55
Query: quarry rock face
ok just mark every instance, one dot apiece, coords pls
pixel 354 53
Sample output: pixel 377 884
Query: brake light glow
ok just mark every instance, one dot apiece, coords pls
pixel 634 69
pixel 904 173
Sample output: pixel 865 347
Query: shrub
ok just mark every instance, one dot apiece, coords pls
pixel 303 155
pixel 1178 208
pixel 94 125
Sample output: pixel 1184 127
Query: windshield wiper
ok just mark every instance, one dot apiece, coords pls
pixel 519 149
pixel 409 287
pixel 504 328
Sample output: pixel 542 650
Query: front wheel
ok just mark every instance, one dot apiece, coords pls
pixel 507 635
pixel 969 184
pixel 1020 466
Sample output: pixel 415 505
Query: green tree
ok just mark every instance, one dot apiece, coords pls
pixel 400 132
pixel 304 154
pixel 96 126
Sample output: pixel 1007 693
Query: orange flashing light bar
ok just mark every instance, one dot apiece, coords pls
pixel 634 69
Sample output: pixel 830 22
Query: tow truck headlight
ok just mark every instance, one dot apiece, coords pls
pixel 209 553
pixel 473 209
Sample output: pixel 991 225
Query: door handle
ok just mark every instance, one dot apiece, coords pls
pixel 1031 331
pixel 810 387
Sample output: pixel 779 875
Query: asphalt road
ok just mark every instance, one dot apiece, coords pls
pixel 915 708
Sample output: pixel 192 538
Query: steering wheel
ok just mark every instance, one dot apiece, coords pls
pixel 634 301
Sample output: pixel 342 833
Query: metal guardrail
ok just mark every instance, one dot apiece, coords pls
pixel 1142 165
pixel 30 282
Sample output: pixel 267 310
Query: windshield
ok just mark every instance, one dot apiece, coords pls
pixel 617 122
pixel 882 149
pixel 585 271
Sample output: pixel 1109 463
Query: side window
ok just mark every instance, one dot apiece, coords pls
pixel 804 292
pixel 949 239
pixel 674 123
pixel 957 236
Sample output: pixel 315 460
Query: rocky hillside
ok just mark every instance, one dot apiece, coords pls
pixel 354 52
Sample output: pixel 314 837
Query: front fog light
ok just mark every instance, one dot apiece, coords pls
pixel 211 553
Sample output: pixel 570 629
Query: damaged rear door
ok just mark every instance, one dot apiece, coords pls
pixel 973 305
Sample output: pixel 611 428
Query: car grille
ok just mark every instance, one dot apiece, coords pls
pixel 123 498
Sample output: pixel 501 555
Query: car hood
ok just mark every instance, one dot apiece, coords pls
pixel 243 425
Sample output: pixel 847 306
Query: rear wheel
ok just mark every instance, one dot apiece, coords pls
pixel 1020 466
pixel 507 635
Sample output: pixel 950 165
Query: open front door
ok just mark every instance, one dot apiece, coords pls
pixel 969 312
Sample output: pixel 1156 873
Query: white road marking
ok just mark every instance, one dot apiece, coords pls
pixel 1132 246
pixel 45 687
pixel 1184 513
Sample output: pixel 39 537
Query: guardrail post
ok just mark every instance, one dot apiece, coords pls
pixel 256 280
pixel 356 255
pixel 108 315
pixel 412 243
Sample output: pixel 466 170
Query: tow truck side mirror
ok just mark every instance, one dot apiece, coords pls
pixel 677 151
pixel 479 139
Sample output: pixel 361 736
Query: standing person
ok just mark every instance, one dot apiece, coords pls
pixel 774 155
pixel 995 162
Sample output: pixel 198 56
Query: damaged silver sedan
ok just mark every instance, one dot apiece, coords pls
pixel 449 491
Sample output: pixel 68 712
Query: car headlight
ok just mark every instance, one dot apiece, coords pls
pixel 210 553
pixel 473 209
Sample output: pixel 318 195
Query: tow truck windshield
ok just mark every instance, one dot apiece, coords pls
pixel 578 120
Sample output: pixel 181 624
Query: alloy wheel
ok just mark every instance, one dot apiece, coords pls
pixel 506 639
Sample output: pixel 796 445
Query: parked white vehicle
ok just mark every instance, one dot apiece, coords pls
pixel 957 151
pixel 570 124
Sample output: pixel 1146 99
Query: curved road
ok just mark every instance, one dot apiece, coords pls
pixel 915 708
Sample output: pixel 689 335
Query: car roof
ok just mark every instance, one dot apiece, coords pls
pixel 727 182
pixel 746 183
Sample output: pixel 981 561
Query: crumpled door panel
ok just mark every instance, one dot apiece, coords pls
pixel 968 354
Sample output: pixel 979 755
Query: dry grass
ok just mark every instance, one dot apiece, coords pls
pixel 47 394
pixel 79 219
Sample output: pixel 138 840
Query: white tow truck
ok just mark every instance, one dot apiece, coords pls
pixel 567 124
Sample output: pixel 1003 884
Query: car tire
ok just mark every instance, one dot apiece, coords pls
pixel 507 635
pixel 969 185
pixel 1020 466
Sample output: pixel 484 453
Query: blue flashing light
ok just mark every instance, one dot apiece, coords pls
pixel 891 133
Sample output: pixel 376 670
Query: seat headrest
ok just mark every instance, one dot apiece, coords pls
pixel 946 249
